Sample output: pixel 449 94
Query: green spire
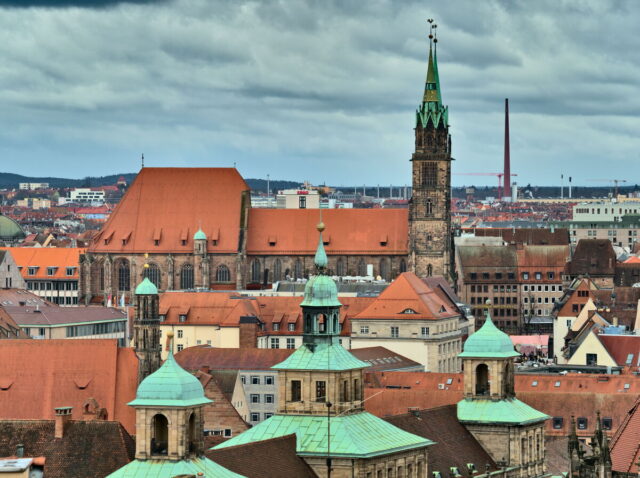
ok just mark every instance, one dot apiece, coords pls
pixel 321 260
pixel 489 342
pixel 432 110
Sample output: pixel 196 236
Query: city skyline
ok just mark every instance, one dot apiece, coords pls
pixel 328 93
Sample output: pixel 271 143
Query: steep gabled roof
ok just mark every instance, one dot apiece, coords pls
pixel 409 297
pixel 625 445
pixel 624 349
pixel 169 205
pixel 43 258
pixel 593 257
pixel 349 231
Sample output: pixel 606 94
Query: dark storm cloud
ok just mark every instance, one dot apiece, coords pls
pixel 318 90
pixel 72 3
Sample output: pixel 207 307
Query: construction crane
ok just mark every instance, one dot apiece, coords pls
pixel 500 176
pixel 615 182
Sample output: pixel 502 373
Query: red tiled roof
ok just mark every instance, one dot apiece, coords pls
pixel 38 375
pixel 348 231
pixel 409 292
pixel 172 204
pixel 622 347
pixel 44 257
pixel 206 308
pixel 625 445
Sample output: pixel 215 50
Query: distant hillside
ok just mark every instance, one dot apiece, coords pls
pixel 275 185
pixel 9 180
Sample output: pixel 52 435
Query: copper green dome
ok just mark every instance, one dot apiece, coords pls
pixel 489 342
pixel 10 230
pixel 146 287
pixel 200 236
pixel 170 386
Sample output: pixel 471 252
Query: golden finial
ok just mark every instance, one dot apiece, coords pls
pixel 146 260
pixel 170 334
pixel 320 226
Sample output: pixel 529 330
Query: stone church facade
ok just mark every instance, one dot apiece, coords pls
pixel 194 228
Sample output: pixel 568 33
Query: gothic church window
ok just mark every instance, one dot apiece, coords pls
pixel 277 270
pixel 340 267
pixel 362 268
pixel 223 274
pixel 186 277
pixel 429 174
pixel 124 282
pixel 403 266
pixel 384 269
pixel 255 271
pixel 428 207
pixel 153 274
pixel 298 272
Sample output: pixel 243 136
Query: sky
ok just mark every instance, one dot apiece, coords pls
pixel 318 90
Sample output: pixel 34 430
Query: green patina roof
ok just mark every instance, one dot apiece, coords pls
pixel 170 386
pixel 508 411
pixel 489 342
pixel 170 469
pixel 146 287
pixel 10 229
pixel 200 236
pixel 360 435
pixel 432 109
pixel 325 356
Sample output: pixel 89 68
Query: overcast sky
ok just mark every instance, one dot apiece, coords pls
pixel 318 90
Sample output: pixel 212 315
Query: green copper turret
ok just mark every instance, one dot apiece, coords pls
pixel 432 110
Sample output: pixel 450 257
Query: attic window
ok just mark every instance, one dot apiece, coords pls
pixel 627 386
pixel 582 423
pixel 272 240
pixel 436 474
pixel 214 242
pixel 183 318
pixel 534 383
pixel 629 360
pixel 5 384
pixel 156 242
pixel 326 239
pixel 409 311
pixel 557 384
pixel 442 309
pixel 383 240
pixel 51 270
pixel 449 381
pixel 162 317
pixel 184 242
pixel 71 271
pixel 32 271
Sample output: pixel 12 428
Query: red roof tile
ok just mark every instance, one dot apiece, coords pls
pixel 623 348
pixel 176 202
pixel 43 258
pixel 348 231
pixel 409 293
pixel 67 373
pixel 625 445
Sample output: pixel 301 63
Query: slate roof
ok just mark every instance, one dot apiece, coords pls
pixel 454 445
pixel 8 327
pixel 487 257
pixel 52 315
pixel 175 202
pixel 593 257
pixel 349 231
pixel 272 458
pixel 381 359
pixel 539 236
pixel 61 372
pixel 194 358
pixel 358 435
pixel 93 448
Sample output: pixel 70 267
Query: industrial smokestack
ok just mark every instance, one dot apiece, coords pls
pixel 507 156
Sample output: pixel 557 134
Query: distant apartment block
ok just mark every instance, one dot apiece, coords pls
pixel 33 186
pixel 298 199
pixel 34 203
pixel 86 195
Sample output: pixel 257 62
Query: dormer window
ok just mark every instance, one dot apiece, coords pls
pixel 184 242
pixel 182 318
pixel 162 317
pixel 71 271
pixel 156 242
pixel 214 242
pixel 409 311
pixel 32 271
pixel 51 270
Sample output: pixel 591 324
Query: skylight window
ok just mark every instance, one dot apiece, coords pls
pixel 557 384
pixel 534 383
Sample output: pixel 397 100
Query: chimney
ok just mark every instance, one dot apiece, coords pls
pixel 615 321
pixel 20 450
pixel 507 157
pixel 63 415
pixel 249 332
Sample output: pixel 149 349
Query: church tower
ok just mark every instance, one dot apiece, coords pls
pixel 146 329
pixel 430 207
pixel 511 431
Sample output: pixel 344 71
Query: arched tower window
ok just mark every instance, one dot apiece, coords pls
pixel 277 270
pixel 186 277
pixel 223 274
pixel 255 271
pixel 298 272
pixel 403 266
pixel 362 268
pixel 384 268
pixel 153 273
pixel 193 437
pixel 159 434
pixel 124 275
pixel 341 270
pixel 429 270
pixel 482 379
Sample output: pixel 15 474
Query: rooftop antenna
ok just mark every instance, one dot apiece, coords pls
pixel 142 159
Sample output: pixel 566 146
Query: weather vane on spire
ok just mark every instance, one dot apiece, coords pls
pixel 433 35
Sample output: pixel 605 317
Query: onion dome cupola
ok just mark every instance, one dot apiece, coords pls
pixel 199 235
pixel 146 287
pixel 489 341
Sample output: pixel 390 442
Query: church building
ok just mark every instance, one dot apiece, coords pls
pixel 198 229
